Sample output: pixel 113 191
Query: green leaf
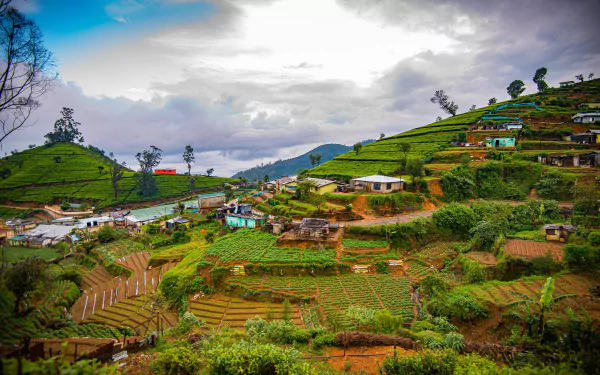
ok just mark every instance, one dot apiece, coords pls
pixel 547 291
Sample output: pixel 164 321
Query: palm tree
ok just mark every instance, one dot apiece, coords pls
pixel 545 302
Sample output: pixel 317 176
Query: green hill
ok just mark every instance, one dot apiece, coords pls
pixel 49 174
pixel 551 123
pixel 291 166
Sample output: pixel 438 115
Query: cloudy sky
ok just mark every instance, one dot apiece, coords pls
pixel 251 81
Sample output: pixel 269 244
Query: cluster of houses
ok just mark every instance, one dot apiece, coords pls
pixel 27 233
pixel 375 183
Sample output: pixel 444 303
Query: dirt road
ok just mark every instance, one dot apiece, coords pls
pixel 391 220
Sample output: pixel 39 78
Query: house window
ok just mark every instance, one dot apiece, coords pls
pixel 376 186
pixel 388 186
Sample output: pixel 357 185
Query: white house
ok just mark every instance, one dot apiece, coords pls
pixel 377 183
pixel 587 118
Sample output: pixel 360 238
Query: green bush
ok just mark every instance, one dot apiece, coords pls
pixel 473 271
pixel 455 217
pixel 324 339
pixel 385 322
pixel 459 304
pixel 256 359
pixel 434 283
pixel 594 238
pixel 106 234
pixel 173 361
pixel 424 362
pixel 422 325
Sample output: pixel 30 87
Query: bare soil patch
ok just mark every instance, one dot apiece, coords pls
pixel 360 363
pixel 531 249
pixel 484 257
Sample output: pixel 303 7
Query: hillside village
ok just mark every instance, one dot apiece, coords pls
pixel 431 242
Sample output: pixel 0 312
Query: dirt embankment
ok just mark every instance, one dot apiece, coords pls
pixel 435 186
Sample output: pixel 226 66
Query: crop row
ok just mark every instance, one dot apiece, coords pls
pixel 352 243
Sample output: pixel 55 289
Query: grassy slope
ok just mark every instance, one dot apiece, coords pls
pixel 383 156
pixel 77 177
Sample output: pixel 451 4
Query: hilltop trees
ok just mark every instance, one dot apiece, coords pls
pixel 492 101
pixel 66 129
pixel 579 77
pixel 473 107
pixel 209 171
pixel 315 159
pixel 357 147
pixel 148 159
pixel 26 66
pixel 538 79
pixel 115 171
pixel 515 88
pixel 442 99
pixel 591 76
pixel 188 158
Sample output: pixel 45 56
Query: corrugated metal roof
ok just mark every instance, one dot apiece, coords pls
pixel 378 179
pixel 321 182
pixel 209 195
pixel 151 213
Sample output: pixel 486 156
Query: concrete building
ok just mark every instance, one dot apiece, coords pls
pixel 500 142
pixel 244 221
pixel 377 183
pixel 211 200
pixel 587 118
pixel 558 232
pixel 42 235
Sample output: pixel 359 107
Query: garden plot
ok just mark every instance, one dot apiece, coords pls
pixel 221 311
pixel 334 294
pixel 134 313
pixel 531 249
pixel 419 269
pixel 502 293
pixel 256 246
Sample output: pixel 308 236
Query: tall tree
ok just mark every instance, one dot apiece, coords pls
pixel 148 159
pixel 444 102
pixel 381 136
pixel 66 129
pixel 414 167
pixel 115 171
pixel 404 148
pixel 188 158
pixel 313 160
pixel 266 178
pixel 538 79
pixel 357 147
pixel 439 118
pixel 26 66
pixel 590 76
pixel 579 77
pixel 515 88
pixel 473 107
pixel 209 171
pixel 492 101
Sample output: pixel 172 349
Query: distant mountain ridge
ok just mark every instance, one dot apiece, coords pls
pixel 289 167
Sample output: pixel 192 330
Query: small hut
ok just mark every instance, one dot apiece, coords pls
pixel 558 232
pixel 314 228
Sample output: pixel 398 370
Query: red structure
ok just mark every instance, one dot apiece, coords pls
pixel 165 171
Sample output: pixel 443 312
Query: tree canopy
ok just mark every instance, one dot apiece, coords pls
pixel 538 79
pixel 515 88
pixel 440 97
pixel 66 129
pixel 189 158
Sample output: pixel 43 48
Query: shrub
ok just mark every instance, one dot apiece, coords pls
pixel 454 340
pixel 188 322
pixel 459 304
pixel 181 360
pixel 256 359
pixel 106 234
pixel 425 362
pixel 324 339
pixel 434 283
pixel 473 271
pixel 455 217
pixel 385 322
pixel 422 325
pixel 581 255
pixel 594 238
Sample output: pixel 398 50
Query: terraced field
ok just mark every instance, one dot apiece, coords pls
pixel 334 294
pixel 102 290
pixel 502 293
pixel 134 313
pixel 222 311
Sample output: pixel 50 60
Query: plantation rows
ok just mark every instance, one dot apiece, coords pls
pixel 352 243
pixel 310 316
pixel 419 269
pixel 256 246
pixel 118 249
pixel 220 311
pixel 337 293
